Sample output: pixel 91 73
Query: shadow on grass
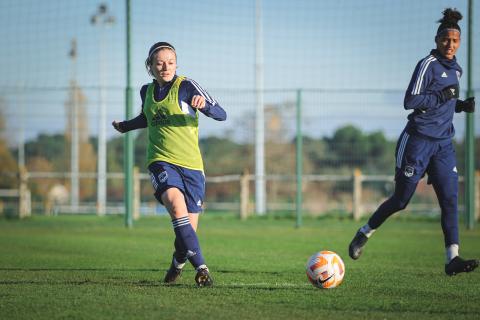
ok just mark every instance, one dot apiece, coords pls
pixel 274 273
pixel 79 269
pixel 120 281
pixel 159 283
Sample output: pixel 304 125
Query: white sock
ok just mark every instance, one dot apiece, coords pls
pixel 451 251
pixel 177 264
pixel 203 266
pixel 367 231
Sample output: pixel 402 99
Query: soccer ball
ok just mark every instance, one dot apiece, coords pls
pixel 325 269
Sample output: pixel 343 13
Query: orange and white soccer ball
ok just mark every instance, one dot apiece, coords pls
pixel 325 269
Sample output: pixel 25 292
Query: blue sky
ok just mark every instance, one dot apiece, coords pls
pixel 330 46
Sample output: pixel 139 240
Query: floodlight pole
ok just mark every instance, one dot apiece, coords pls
pixel 74 137
pixel 259 117
pixel 103 20
pixel 128 137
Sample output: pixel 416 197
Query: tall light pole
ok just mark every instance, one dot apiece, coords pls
pixel 103 19
pixel 74 145
pixel 128 138
pixel 260 202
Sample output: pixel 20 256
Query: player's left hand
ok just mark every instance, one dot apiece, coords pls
pixel 467 105
pixel 198 102
pixel 450 92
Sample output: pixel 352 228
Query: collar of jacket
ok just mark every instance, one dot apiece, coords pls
pixel 447 63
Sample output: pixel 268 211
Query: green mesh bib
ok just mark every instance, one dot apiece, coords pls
pixel 172 129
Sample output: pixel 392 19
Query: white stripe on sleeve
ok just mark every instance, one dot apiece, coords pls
pixel 421 73
pixel 203 92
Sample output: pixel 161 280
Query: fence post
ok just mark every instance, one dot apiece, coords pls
pixel 25 205
pixel 136 193
pixel 244 194
pixel 357 194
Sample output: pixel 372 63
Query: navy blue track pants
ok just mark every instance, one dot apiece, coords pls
pixel 416 156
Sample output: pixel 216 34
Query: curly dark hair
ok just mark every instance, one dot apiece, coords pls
pixel 450 19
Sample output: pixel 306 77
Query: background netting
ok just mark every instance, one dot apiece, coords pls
pixel 351 62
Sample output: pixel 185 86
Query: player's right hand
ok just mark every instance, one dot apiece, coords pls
pixel 117 126
pixel 450 92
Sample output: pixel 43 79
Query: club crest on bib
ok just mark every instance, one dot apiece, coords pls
pixel 409 171
pixel 163 176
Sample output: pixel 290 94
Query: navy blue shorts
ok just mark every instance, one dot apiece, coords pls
pixel 165 175
pixel 416 156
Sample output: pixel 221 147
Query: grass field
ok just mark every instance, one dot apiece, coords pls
pixel 87 267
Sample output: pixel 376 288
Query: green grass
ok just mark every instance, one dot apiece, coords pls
pixel 87 267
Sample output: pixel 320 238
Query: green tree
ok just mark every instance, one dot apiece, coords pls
pixel 224 156
pixel 349 145
pixel 9 168
pixel 51 148
pixel 350 148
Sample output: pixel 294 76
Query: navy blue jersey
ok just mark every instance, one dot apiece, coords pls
pixel 432 117
pixel 188 89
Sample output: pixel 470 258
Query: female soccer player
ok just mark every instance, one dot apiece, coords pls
pixel 170 106
pixel 425 145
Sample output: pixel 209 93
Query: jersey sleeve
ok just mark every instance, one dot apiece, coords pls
pixel 140 121
pixel 418 95
pixel 212 108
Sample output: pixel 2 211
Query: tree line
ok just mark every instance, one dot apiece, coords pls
pixel 347 148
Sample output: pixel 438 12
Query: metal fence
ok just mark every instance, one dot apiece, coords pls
pixel 355 195
pixel 63 82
